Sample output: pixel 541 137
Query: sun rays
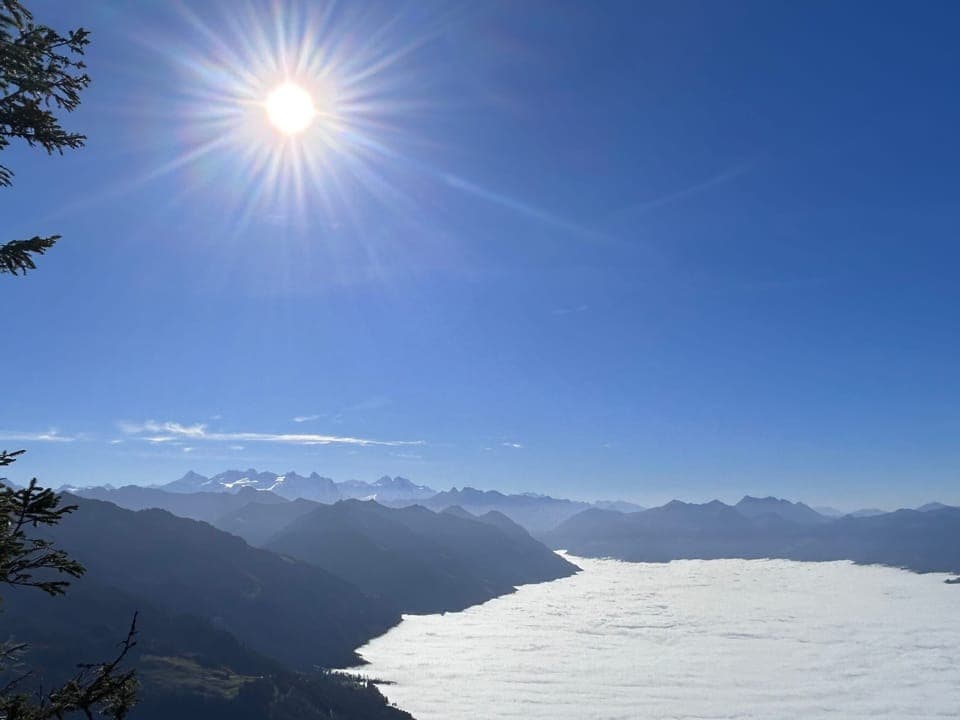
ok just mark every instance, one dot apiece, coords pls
pixel 308 141
pixel 284 110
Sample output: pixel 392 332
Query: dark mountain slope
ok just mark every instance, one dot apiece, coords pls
pixel 187 668
pixel 287 610
pixel 415 559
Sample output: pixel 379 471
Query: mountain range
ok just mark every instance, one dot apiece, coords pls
pixel 210 498
pixel 227 629
pixel 249 584
pixel 197 496
pixel 290 485
pixel 536 513
pixel 923 540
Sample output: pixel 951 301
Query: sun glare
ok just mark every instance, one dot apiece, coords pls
pixel 291 115
pixel 290 108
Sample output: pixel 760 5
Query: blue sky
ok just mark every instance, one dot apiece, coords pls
pixel 639 250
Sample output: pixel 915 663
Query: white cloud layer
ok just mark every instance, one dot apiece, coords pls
pixel 165 432
pixel 758 639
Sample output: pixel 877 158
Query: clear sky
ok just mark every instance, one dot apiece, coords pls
pixel 639 250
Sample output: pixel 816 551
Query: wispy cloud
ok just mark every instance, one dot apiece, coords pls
pixel 514 445
pixel 51 435
pixel 305 418
pixel 161 432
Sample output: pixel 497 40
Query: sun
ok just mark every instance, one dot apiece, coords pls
pixel 290 108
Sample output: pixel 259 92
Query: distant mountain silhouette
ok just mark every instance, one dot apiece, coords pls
pixel 195 505
pixel 618 505
pixel 924 541
pixel 190 482
pixel 256 522
pixel 415 559
pixel 197 496
pixel 459 512
pixel 931 506
pixel 227 481
pixel 386 490
pixel 920 541
pixel 794 511
pixel 507 526
pixel 312 487
pixel 184 566
pixel 537 513
pixel 291 486
pixel 867 512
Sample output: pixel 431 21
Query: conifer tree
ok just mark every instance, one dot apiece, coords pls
pixel 41 73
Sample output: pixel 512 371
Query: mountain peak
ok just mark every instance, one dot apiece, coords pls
pixel 934 506
pixel 797 512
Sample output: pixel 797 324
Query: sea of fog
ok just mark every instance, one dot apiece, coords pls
pixel 688 639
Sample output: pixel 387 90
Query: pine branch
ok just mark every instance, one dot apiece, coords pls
pixel 41 73
pixel 16 256
pixel 9 458
pixel 22 557
pixel 97 688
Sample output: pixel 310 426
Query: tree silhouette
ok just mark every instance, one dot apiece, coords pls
pixel 33 562
pixel 40 73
